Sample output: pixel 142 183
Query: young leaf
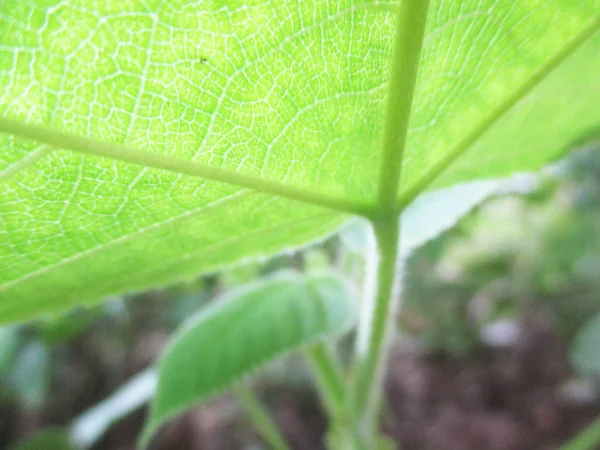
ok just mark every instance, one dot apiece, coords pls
pixel 235 336
pixel 164 111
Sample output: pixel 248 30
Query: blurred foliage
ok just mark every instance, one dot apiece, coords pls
pixel 515 254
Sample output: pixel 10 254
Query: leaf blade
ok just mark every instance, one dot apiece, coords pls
pixel 233 337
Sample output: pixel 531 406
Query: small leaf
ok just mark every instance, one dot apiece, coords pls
pixel 585 349
pixel 238 334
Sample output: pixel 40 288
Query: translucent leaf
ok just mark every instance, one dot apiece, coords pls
pixel 236 335
pixel 286 98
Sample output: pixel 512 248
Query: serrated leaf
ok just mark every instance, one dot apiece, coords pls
pixel 238 334
pixel 282 92
pixel 585 349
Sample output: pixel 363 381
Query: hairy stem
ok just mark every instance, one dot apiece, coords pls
pixel 376 324
pixel 261 418
pixel 376 329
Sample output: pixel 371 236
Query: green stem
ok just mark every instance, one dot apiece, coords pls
pixel 589 439
pixel 375 331
pixel 376 325
pixel 329 378
pixel 261 418
pixel 119 152
pixel 410 31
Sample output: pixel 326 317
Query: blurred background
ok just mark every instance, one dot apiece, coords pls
pixel 498 348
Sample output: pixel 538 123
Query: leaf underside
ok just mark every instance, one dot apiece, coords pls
pixel 235 336
pixel 291 92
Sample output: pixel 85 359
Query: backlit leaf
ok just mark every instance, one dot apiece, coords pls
pixel 293 93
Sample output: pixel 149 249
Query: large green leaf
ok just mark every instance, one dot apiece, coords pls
pixel 286 97
pixel 235 336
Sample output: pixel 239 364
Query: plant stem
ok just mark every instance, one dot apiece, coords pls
pixel 376 329
pixel 261 418
pixel 329 379
pixel 377 324
pixel 410 30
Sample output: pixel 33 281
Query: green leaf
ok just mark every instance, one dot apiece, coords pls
pixel 585 348
pixel 236 335
pixel 191 131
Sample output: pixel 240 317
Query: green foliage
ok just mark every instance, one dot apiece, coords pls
pixel 280 97
pixel 236 335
